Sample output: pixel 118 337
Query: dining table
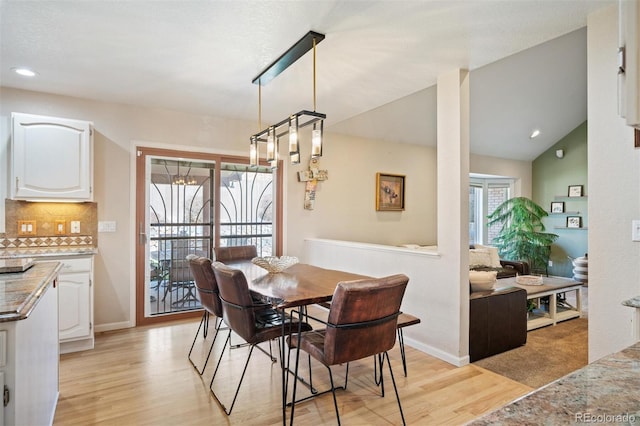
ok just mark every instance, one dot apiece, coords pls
pixel 295 288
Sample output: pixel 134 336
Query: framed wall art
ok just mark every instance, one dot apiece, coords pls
pixel 575 191
pixel 389 192
pixel 574 222
pixel 557 207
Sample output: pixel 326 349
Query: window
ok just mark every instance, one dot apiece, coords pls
pixel 485 194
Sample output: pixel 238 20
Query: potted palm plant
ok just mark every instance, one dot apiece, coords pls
pixel 522 235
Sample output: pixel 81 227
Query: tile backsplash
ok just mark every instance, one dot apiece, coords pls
pixel 46 215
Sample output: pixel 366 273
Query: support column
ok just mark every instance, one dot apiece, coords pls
pixel 453 200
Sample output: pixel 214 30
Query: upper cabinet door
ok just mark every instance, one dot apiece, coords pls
pixel 51 158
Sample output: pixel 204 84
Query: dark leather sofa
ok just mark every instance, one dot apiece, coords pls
pixel 497 321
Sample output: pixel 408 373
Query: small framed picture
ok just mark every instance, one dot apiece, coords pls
pixel 557 207
pixel 574 222
pixel 389 192
pixel 575 190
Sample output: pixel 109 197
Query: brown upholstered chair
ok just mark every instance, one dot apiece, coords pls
pixel 255 323
pixel 227 254
pixel 362 322
pixel 404 320
pixel 207 290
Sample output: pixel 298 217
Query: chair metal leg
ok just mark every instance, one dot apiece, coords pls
pixel 377 361
pixel 404 359
pixel 395 388
pixel 244 370
pixel 381 380
pixel 206 324
pixel 269 354
pixel 204 321
pixel 333 392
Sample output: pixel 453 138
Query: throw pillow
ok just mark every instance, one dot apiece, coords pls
pixel 493 253
pixel 482 280
pixel 479 257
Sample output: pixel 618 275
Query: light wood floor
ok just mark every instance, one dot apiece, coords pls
pixel 142 376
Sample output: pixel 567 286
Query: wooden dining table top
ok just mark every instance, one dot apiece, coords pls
pixel 298 285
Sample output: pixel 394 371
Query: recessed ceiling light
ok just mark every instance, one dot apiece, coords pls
pixel 535 134
pixel 25 72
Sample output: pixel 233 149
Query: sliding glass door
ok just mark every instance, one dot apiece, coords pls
pixel 187 204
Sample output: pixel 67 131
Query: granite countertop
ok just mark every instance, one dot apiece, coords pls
pixel 20 292
pixel 634 302
pixel 606 391
pixel 9 253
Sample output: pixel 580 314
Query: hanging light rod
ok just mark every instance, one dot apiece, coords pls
pixel 314 118
pixel 294 53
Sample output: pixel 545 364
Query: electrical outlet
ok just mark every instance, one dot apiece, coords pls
pixel 60 227
pixel 26 227
pixel 75 226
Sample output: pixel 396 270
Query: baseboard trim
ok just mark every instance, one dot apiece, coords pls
pixel 113 326
pixel 430 350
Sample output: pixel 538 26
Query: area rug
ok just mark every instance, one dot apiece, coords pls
pixel 550 353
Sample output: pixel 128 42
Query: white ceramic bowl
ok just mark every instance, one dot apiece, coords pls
pixel 275 264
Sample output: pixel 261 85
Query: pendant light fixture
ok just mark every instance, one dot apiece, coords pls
pixel 291 125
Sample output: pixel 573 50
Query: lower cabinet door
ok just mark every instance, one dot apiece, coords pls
pixel 74 299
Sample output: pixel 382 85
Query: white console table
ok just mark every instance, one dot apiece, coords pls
pixel 551 286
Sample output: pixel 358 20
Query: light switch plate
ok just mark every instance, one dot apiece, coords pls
pixel 635 230
pixel 106 226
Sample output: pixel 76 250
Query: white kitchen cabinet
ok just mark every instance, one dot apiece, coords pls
pixel 51 158
pixel 30 363
pixel 75 299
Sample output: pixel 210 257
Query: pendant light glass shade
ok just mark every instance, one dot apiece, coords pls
pixel 316 141
pixel 295 158
pixel 253 152
pixel 293 135
pixel 271 145
pixel 274 161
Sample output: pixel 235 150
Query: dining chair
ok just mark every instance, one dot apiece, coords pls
pixel 362 322
pixel 207 290
pixel 404 320
pixel 254 322
pixel 227 254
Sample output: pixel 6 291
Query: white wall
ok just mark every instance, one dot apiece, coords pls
pixel 345 204
pixel 614 196
pixel 428 294
pixel 520 170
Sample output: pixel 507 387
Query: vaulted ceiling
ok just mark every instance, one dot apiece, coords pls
pixel 376 68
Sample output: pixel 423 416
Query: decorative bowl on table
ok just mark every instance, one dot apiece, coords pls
pixel 482 280
pixel 529 280
pixel 275 264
